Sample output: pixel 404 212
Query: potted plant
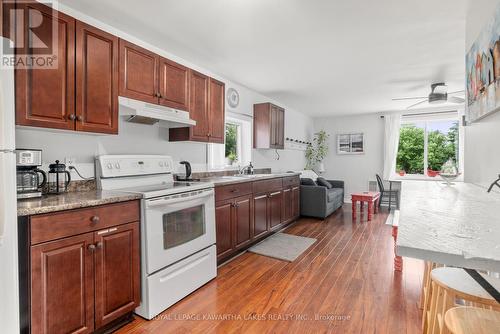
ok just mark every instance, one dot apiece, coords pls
pixel 231 158
pixel 402 172
pixel 317 151
pixel 432 173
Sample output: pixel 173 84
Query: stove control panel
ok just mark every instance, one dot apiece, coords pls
pixel 133 165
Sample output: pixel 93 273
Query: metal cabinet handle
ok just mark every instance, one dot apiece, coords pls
pixel 79 118
pixel 234 190
pixel 99 245
pixel 95 219
pixel 91 247
pixel 71 117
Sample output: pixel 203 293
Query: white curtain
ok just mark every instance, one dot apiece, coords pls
pixel 391 143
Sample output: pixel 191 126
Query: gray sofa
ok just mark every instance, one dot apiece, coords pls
pixel 320 202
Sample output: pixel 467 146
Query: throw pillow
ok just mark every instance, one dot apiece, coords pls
pixel 324 183
pixel 307 182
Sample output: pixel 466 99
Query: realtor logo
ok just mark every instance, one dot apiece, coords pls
pixel 32 29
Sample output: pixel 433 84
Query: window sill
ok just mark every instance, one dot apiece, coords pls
pixel 416 177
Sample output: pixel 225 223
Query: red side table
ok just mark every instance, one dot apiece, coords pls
pixel 371 197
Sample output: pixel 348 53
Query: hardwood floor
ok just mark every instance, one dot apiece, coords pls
pixel 344 283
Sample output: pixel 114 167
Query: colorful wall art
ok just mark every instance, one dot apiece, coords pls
pixel 483 72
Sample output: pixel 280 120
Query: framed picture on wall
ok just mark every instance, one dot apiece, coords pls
pixel 351 143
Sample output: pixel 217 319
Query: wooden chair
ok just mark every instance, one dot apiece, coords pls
pixel 387 196
pixel 452 287
pixel 472 320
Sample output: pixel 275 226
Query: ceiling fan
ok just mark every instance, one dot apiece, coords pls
pixel 439 94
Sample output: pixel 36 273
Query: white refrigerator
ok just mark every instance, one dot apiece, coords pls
pixel 9 272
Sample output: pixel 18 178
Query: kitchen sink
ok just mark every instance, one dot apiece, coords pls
pixel 252 176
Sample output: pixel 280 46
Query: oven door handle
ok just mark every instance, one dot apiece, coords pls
pixel 166 201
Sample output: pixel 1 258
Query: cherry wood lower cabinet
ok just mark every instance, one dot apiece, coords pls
pixel 62 286
pixel 234 225
pixel 83 283
pixel 247 212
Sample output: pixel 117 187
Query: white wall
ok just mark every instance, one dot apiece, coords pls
pixel 482 153
pixel 354 170
pixel 144 139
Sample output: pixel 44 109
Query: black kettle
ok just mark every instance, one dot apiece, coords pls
pixel 187 177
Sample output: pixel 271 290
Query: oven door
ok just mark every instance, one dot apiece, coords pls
pixel 178 226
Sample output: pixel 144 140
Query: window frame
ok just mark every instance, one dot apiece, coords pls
pixel 215 150
pixel 432 118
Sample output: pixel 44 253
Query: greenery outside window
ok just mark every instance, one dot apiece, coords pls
pixel 426 145
pixel 233 143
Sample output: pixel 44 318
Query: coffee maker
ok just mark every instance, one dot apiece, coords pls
pixel 30 179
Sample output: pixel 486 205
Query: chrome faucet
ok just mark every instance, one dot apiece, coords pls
pixel 495 183
pixel 248 169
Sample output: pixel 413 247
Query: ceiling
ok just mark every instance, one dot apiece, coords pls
pixel 320 57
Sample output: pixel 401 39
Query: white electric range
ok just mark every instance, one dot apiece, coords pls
pixel 178 253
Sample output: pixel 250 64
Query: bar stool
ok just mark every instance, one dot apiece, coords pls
pixel 452 287
pixel 472 320
pixel 426 290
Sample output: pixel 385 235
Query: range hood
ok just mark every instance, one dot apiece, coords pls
pixel 147 113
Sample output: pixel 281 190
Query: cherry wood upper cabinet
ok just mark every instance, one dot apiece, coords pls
pixel 117 273
pixel 46 97
pixel 174 85
pixel 62 286
pixel 138 73
pixel 5 17
pixel 269 126
pixel 96 80
pixel 216 112
pixel 207 108
pixel 198 111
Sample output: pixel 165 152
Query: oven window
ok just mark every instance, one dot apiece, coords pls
pixel 183 226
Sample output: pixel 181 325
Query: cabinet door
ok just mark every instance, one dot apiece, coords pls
pixel 96 80
pixel 216 111
pixel 198 107
pixel 45 97
pixel 243 215
pixel 174 85
pixel 275 203
pixel 117 272
pixel 62 286
pixel 274 126
pixel 287 205
pixel 280 128
pixel 224 228
pixel 138 73
pixel 260 221
pixel 296 202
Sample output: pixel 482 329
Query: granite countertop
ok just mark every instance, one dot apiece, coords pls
pixel 71 200
pixel 228 180
pixel 456 225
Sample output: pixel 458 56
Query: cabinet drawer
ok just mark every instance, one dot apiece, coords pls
pixel 233 190
pixel 291 181
pixel 53 226
pixel 264 186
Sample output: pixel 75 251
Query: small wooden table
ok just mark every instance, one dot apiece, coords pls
pixel 371 197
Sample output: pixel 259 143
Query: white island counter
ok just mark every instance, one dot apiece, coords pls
pixel 456 225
